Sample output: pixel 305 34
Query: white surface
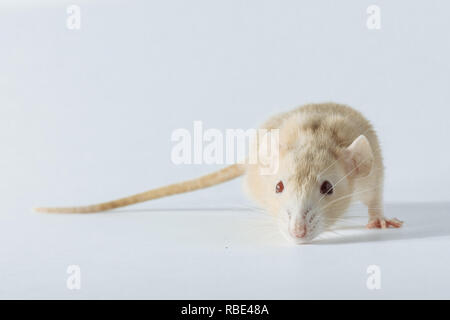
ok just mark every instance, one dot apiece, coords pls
pixel 205 254
pixel 100 104
pixel 87 115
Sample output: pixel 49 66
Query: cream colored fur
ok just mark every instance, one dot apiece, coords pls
pixel 321 142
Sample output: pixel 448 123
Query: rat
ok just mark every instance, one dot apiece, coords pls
pixel 329 154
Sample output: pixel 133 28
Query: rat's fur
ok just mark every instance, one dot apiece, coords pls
pixel 317 142
pixel 321 142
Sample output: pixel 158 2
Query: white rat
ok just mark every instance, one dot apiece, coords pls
pixel 328 154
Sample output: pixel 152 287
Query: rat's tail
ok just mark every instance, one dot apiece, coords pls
pixel 205 181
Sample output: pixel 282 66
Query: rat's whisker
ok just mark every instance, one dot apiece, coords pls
pixel 345 176
pixel 347 196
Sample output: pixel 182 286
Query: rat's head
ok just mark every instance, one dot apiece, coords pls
pixel 313 185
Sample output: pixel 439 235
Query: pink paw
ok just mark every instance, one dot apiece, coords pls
pixel 383 223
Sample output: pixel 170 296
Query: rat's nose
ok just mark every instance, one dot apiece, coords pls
pixel 299 231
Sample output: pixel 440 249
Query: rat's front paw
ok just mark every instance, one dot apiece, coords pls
pixel 383 223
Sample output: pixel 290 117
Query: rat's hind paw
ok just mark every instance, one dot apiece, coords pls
pixel 383 223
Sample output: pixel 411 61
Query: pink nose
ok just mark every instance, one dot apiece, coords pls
pixel 299 232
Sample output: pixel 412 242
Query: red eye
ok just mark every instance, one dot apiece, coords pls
pixel 280 187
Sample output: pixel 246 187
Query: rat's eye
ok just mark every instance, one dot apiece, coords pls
pixel 326 187
pixel 280 187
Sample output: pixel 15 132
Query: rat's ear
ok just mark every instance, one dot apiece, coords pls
pixel 358 158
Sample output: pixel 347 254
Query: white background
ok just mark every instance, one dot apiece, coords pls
pixel 87 115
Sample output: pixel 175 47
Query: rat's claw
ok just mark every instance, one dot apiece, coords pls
pixel 395 223
pixel 383 223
